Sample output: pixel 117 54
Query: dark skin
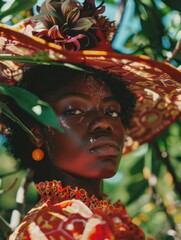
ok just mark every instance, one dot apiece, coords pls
pixel 91 146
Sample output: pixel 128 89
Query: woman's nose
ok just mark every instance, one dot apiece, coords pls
pixel 100 123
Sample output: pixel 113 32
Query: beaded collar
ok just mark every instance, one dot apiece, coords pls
pixel 54 192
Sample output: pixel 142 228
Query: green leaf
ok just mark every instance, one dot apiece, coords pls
pixel 176 4
pixel 16 7
pixel 73 16
pixel 43 59
pixel 4 226
pixel 7 111
pixel 136 189
pixel 31 104
pixel 137 167
pixel 83 24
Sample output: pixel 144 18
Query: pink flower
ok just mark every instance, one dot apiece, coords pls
pixel 68 23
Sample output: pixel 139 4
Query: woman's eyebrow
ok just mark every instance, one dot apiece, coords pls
pixel 73 94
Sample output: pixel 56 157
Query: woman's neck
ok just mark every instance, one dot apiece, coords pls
pixel 92 186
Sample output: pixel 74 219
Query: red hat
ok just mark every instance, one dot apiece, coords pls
pixel 157 85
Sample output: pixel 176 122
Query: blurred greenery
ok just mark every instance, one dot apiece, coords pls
pixel 148 181
pixel 144 183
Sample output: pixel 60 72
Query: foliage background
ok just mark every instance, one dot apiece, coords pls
pixel 148 181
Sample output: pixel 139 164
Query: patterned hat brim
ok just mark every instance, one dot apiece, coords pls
pixel 157 85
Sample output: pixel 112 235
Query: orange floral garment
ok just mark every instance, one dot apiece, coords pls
pixel 68 214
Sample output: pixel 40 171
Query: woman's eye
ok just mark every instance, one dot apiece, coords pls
pixel 113 114
pixel 73 112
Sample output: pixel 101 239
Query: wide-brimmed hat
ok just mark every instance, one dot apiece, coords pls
pixel 157 85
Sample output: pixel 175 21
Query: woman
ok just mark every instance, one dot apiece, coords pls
pixel 93 116
pixel 94 108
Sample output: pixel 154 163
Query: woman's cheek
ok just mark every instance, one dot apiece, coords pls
pixel 68 145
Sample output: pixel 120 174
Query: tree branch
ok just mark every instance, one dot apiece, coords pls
pixel 166 160
pixel 9 188
pixel 176 51
pixel 120 14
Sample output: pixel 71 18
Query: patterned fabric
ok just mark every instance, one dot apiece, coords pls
pixel 67 214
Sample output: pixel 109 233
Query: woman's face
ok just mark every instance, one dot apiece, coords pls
pixel 93 138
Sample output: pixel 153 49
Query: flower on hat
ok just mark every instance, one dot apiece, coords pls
pixel 71 24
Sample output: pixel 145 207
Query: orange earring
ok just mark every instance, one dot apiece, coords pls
pixel 37 153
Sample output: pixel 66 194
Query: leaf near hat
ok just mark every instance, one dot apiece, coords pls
pixel 63 27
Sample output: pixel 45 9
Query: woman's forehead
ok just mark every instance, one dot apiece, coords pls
pixel 94 86
pixel 89 85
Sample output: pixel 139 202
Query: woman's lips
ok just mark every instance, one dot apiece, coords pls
pixel 104 147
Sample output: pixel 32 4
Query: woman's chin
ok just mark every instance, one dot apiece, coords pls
pixel 101 174
pixel 108 173
pixel 108 168
pixel 96 174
